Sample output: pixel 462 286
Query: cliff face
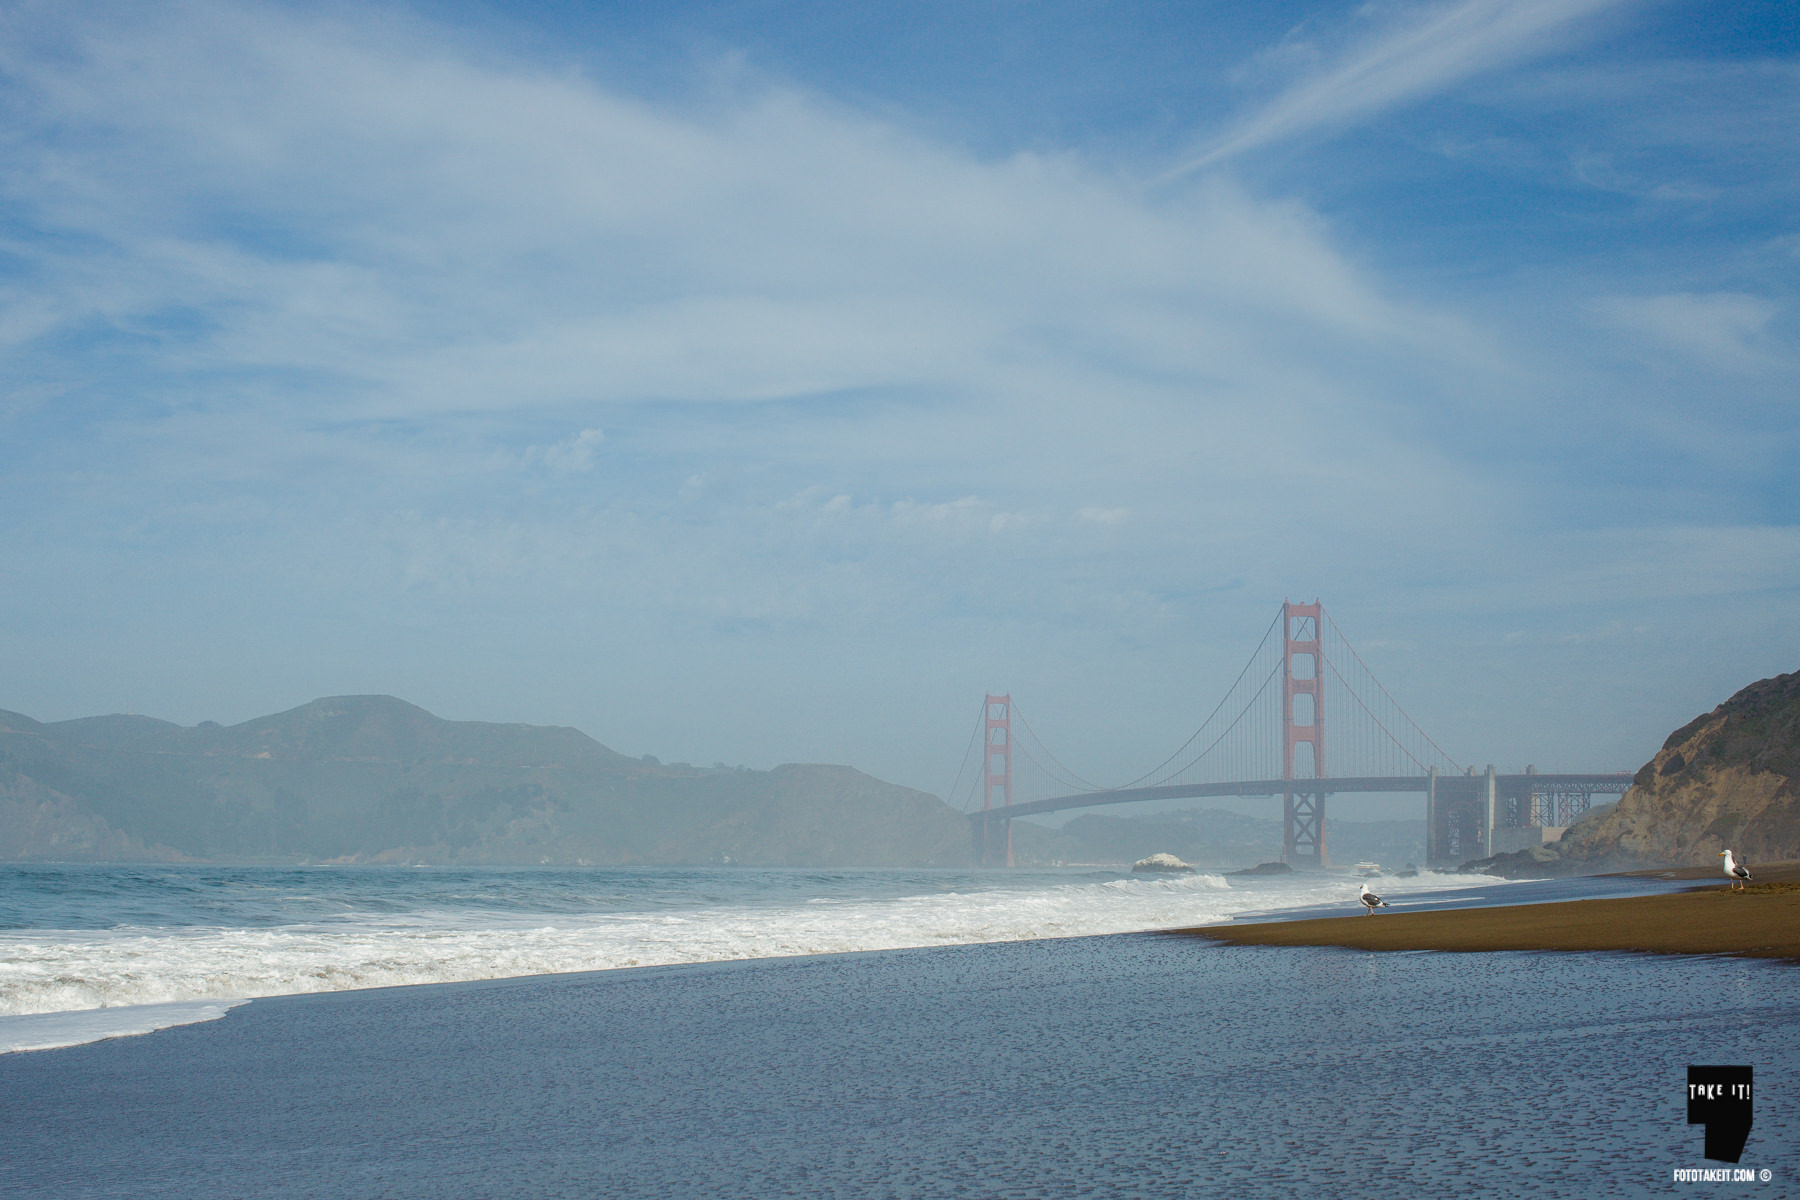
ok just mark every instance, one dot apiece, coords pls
pixel 374 779
pixel 43 823
pixel 1730 778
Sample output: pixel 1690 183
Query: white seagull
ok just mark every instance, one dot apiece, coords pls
pixel 1371 901
pixel 1738 873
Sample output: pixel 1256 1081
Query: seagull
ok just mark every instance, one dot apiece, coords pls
pixel 1738 873
pixel 1370 900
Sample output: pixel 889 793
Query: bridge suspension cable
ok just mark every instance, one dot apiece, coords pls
pixel 955 788
pixel 1304 720
pixel 1066 775
pixel 1160 772
pixel 1364 730
pixel 1382 738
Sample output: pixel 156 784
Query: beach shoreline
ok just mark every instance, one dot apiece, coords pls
pixel 1762 921
pixel 1093 1065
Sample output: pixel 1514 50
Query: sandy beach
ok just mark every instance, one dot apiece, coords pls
pixel 1762 921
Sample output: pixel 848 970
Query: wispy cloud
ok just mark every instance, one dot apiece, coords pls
pixel 1421 52
pixel 312 325
pixel 251 191
pixel 1723 329
pixel 571 454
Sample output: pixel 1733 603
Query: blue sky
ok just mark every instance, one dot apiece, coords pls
pixel 763 382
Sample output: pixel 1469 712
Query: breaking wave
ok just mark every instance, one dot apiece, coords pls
pixel 230 935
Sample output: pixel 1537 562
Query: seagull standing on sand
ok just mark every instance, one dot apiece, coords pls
pixel 1370 900
pixel 1738 873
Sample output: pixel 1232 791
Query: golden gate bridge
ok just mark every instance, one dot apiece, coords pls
pixel 1304 720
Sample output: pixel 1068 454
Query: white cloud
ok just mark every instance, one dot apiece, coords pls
pixel 968 515
pixel 1724 329
pixel 445 234
pixel 1427 50
pixel 1001 522
pixel 287 295
pixel 571 455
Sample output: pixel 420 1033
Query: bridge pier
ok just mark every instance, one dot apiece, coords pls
pixel 1431 817
pixel 993 841
pixel 1303 829
pixel 1460 815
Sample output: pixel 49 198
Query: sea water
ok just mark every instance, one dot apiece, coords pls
pixel 1135 1065
pixel 88 952
pixel 679 1033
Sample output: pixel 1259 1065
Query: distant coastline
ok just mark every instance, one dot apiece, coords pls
pixel 349 780
pixel 373 779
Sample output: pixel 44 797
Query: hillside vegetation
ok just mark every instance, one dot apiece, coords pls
pixel 375 779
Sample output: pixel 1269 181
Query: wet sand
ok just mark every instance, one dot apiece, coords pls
pixel 1126 1065
pixel 1781 872
pixel 1760 922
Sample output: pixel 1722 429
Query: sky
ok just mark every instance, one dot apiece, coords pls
pixel 757 382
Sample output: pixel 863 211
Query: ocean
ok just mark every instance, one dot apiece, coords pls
pixel 102 950
pixel 816 1033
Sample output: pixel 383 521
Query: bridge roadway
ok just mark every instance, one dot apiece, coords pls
pixel 1447 787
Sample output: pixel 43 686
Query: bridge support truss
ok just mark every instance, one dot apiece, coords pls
pixel 1554 806
pixel 1303 829
pixel 1536 810
pixel 1302 724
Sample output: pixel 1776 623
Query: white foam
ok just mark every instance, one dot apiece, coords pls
pixel 134 975
pixel 50 1031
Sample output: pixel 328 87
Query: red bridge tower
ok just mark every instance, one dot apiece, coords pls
pixel 1302 724
pixel 997 773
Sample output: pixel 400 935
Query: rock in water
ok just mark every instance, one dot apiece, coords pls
pixel 1161 864
pixel 1270 868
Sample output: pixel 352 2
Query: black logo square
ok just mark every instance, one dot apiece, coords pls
pixel 1720 1099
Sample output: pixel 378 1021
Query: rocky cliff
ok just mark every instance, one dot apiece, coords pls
pixel 1730 778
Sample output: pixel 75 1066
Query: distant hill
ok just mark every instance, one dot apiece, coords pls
pixel 1729 778
pixel 375 779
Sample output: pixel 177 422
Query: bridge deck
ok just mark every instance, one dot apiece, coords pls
pixel 1448 787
